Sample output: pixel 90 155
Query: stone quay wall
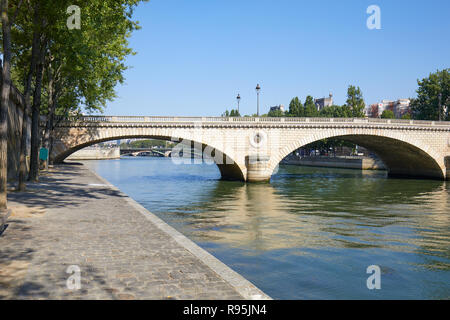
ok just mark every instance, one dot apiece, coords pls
pixel 337 162
pixel 15 117
pixel 95 154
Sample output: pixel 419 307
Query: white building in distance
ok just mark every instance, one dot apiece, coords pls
pixel 324 102
pixel 399 107
pixel 276 108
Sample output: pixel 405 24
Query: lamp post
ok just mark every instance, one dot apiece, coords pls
pixel 238 98
pixel 258 89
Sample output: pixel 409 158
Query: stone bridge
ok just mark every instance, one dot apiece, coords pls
pixel 250 149
pixel 163 152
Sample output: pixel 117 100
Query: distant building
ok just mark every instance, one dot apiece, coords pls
pixel 276 108
pixel 375 110
pixel 323 102
pixel 399 107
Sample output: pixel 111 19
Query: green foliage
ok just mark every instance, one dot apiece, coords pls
pixel 328 145
pixel 310 107
pixel 144 144
pixel 355 101
pixel 296 108
pixel 232 113
pixel 86 64
pixel 388 114
pixel 406 116
pixel 336 112
pixel 426 105
pixel 354 107
pixel 275 113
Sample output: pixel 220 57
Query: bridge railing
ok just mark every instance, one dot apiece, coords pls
pixel 250 120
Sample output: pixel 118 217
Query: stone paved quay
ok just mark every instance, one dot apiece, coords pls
pixel 74 217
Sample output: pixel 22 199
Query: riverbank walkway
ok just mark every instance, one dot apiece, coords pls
pixel 73 220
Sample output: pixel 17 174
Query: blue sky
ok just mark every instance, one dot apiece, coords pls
pixel 195 56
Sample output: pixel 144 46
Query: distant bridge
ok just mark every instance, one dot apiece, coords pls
pixel 163 152
pixel 250 149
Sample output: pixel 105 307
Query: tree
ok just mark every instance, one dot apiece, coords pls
pixel 144 144
pixel 356 102
pixel 73 70
pixel 275 113
pixel 234 113
pixel 388 114
pixel 296 108
pixel 335 111
pixel 28 77
pixel 426 105
pixel 326 145
pixel 36 108
pixel 406 116
pixel 6 88
pixel 310 107
pixel 59 71
pixel 328 112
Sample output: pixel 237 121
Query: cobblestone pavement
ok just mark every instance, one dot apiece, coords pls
pixel 121 254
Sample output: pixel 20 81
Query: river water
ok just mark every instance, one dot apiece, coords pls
pixel 309 234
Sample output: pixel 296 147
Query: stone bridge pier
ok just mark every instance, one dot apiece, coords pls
pixel 250 149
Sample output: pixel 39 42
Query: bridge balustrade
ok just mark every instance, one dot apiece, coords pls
pixel 268 119
pixel 156 119
pixel 243 119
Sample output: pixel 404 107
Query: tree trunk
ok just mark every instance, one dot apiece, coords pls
pixel 23 144
pixel 51 107
pixel 35 133
pixel 6 88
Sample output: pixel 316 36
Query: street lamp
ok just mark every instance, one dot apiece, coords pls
pixel 258 89
pixel 238 98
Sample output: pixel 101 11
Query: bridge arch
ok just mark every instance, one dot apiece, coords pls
pixel 402 156
pixel 228 167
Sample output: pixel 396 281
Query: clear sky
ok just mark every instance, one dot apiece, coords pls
pixel 195 56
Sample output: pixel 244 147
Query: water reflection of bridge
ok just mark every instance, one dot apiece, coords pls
pixel 276 216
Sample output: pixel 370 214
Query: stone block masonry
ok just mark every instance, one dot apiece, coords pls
pixel 95 154
pixel 15 117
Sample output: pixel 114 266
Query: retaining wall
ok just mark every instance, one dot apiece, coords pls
pixel 15 117
pixel 95 154
pixel 331 162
